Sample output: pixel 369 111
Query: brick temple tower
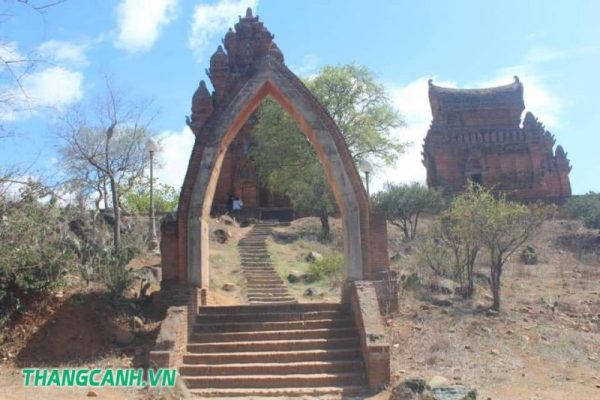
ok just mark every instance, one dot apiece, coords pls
pixel 478 135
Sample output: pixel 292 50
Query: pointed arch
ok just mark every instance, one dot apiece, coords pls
pixel 271 78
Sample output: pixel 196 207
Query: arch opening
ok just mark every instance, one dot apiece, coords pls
pixel 349 205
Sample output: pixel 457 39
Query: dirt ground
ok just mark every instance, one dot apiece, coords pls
pixel 544 345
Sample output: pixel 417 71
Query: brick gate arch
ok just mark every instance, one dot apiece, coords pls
pixel 252 69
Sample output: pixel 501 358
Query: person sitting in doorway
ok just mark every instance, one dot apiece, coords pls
pixel 238 204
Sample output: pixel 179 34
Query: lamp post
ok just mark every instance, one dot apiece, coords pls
pixel 153 239
pixel 367 168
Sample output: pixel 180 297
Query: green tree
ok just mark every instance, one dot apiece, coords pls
pixel 404 204
pixel 585 208
pixel 137 199
pixel 458 233
pixel 35 250
pixel 502 227
pixel 284 157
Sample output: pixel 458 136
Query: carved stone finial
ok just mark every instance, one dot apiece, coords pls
pixel 516 78
pixel 275 52
pixel 202 106
pixel 430 82
pixel 219 59
pixel 249 12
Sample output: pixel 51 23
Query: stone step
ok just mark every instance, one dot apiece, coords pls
pixel 274 381
pixel 265 258
pixel 271 300
pixel 350 353
pixel 259 295
pixel 271 316
pixel 264 281
pixel 260 274
pixel 273 345
pixel 256 291
pixel 257 336
pixel 297 308
pixel 274 298
pixel 265 286
pixel 267 289
pixel 279 290
pixel 246 265
pixel 271 326
pixel 271 368
pixel 325 392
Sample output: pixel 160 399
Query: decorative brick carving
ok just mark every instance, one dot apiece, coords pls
pixel 476 134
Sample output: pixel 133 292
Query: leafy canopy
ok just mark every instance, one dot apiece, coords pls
pixel 585 208
pixel 359 105
pixel 403 204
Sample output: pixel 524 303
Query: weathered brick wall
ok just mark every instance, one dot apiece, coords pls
pixel 378 237
pixel 374 343
pixel 169 250
pixel 176 328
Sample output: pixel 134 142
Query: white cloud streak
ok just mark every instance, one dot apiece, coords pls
pixel 213 20
pixel 412 102
pixel 175 151
pixel 64 52
pixel 140 22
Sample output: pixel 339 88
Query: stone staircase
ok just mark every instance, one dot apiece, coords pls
pixel 263 284
pixel 285 350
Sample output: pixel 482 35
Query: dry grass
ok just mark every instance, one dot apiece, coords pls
pixel 544 345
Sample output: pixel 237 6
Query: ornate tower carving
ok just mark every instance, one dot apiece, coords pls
pixel 231 66
pixel 476 134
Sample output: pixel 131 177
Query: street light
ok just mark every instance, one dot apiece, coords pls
pixel 367 168
pixel 153 239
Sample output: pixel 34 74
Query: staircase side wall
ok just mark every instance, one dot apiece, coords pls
pixel 374 343
pixel 176 328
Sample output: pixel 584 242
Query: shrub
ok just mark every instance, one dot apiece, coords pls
pixel 529 256
pixel 433 255
pixel 34 251
pixel 404 204
pixel 330 265
pixel 585 208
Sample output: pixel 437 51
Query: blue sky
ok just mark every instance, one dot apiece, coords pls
pixel 159 49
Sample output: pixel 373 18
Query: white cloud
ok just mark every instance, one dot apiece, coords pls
pixel 9 53
pixel 309 66
pixel 140 22
pixel 537 94
pixel 537 55
pixel 212 20
pixel 413 103
pixel 54 87
pixel 176 148
pixel 63 52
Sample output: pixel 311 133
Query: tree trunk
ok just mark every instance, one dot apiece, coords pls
pixel 405 230
pixel 325 229
pixel 495 283
pixel 413 227
pixel 117 213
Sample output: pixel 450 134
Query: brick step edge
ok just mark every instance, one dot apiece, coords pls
pixel 274 381
pixel 272 368
pixel 324 392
